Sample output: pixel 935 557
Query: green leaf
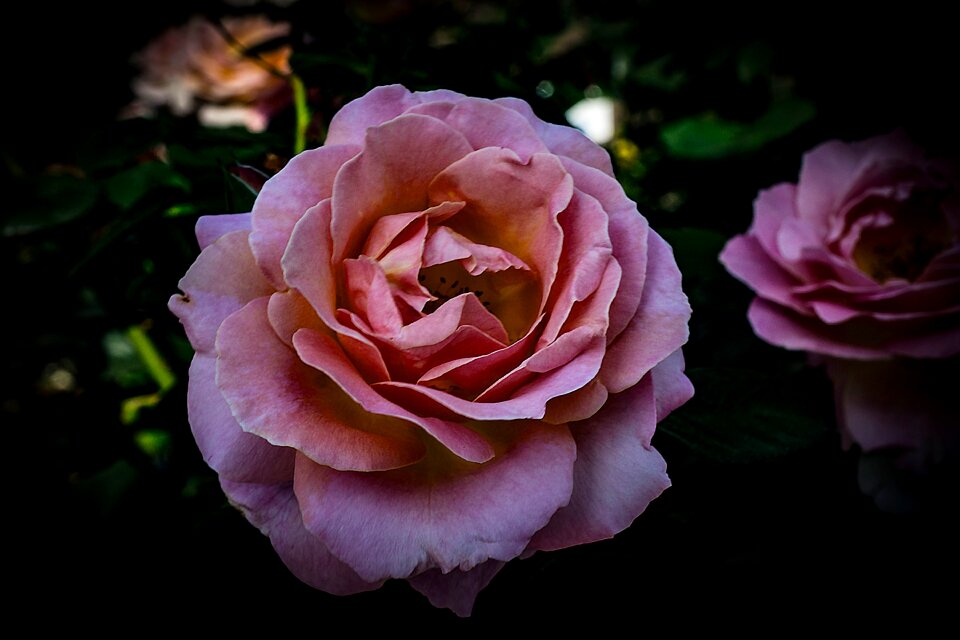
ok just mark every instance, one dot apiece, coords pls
pixel 107 487
pixel 51 201
pixel 740 416
pixel 128 187
pixel 696 250
pixel 708 136
pixel 658 75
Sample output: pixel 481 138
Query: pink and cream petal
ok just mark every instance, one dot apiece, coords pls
pixel 304 182
pixel 746 260
pixel 273 509
pixel 391 175
pixel 321 352
pixel 616 475
pixel 496 185
pixel 456 590
pixel 628 232
pixel 349 125
pixel 229 450
pixel 288 312
pixel 209 229
pixel 488 124
pixel 578 405
pixel 446 245
pixel 445 514
pixel 371 296
pixel 277 397
pixel 223 279
pixel 659 328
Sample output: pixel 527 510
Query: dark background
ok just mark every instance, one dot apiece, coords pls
pixel 117 525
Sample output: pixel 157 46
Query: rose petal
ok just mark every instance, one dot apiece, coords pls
pixel 659 328
pixel 303 183
pixel 228 449
pixel 527 401
pixel 223 279
pixel 210 228
pixel 835 171
pixel 386 229
pixel 746 260
pixel 288 312
pixel 627 230
pixel 443 514
pixel 487 124
pixel 496 185
pixel 273 509
pixel 322 353
pixel 371 296
pixel 399 160
pixel 863 338
pixel 579 405
pixel 446 245
pixel 561 140
pixel 617 473
pixel 456 590
pixel 349 125
pixel 307 266
pixel 275 396
pixel 583 263
pixel 671 387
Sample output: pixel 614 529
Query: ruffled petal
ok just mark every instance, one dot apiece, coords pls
pixel 671 387
pixel 562 140
pixel 275 396
pixel 659 328
pixel 399 523
pixel 322 353
pixel 273 509
pixel 223 279
pixel 391 175
pixel 456 590
pixel 229 450
pixel 617 473
pixel 209 229
pixel 305 181
pixel 349 125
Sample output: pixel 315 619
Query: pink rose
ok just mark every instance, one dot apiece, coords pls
pixel 439 342
pixel 197 67
pixel 860 262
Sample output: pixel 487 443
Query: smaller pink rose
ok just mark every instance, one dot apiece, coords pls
pixel 860 262
pixel 201 68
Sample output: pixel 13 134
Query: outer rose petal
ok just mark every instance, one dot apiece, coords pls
pixel 563 141
pixel 349 125
pixel 745 259
pixel 304 182
pixel 277 397
pixel 862 338
pixel 273 509
pixel 210 228
pixel 228 449
pixel 222 280
pixel 445 514
pixel 456 590
pixel 617 473
pixel 659 328
pixel 670 385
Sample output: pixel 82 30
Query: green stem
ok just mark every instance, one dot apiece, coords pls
pixel 302 111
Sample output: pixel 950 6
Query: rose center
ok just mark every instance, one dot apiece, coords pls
pixel 903 239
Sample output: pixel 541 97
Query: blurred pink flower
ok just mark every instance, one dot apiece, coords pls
pixel 860 262
pixel 439 342
pixel 198 68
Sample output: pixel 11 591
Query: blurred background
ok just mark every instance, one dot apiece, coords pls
pixel 114 515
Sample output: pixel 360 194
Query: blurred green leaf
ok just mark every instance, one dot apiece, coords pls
pixel 307 63
pixel 240 196
pixel 754 61
pixel 128 187
pixel 708 136
pixel 151 358
pixel 740 416
pixel 51 201
pixel 153 442
pixel 124 366
pixel 696 250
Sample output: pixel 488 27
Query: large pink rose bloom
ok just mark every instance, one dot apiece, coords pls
pixel 439 342
pixel 860 262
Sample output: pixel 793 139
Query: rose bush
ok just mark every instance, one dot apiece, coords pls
pixel 197 67
pixel 859 262
pixel 438 342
